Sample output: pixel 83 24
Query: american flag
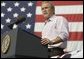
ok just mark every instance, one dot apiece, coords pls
pixel 10 10
pixel 71 10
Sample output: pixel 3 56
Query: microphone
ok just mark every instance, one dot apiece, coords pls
pixel 19 20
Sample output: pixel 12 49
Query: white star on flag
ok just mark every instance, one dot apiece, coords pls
pixel 28 26
pixel 16 4
pixel 2 14
pixel 3 4
pixel 29 15
pixel 9 9
pixel 2 26
pixel 30 4
pixel 15 15
pixel 8 20
pixel 23 9
pixel 14 26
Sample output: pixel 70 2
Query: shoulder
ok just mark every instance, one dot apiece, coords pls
pixel 60 18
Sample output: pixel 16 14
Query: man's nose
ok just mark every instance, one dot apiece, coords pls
pixel 44 10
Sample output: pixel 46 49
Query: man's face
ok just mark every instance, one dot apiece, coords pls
pixel 46 10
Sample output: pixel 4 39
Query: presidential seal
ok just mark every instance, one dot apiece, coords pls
pixel 5 44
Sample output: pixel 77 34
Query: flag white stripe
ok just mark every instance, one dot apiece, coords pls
pixel 73 26
pixel 68 9
pixel 76 26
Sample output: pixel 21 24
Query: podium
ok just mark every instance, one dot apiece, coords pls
pixel 18 43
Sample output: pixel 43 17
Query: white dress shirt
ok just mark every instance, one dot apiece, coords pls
pixel 56 26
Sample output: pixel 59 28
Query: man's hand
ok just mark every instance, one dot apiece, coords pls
pixel 45 41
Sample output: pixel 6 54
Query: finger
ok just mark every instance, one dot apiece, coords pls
pixel 44 42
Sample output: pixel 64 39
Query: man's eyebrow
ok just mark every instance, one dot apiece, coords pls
pixel 44 7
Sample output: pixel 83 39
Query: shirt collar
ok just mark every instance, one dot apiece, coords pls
pixel 51 18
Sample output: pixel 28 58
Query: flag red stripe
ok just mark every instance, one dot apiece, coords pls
pixel 63 3
pixel 38 34
pixel 69 17
pixel 73 36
